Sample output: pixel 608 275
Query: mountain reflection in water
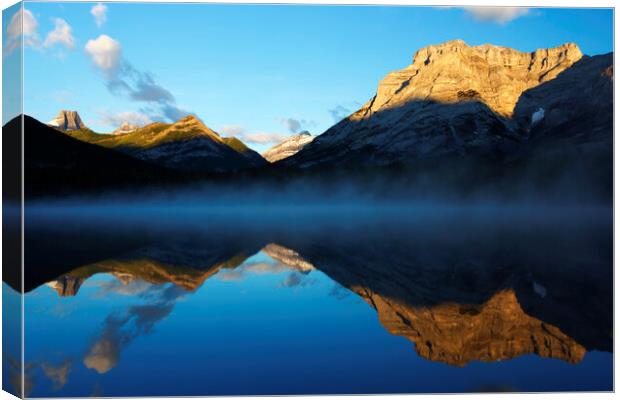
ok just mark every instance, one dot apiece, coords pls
pixel 461 290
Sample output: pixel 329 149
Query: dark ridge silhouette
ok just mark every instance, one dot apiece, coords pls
pixel 56 163
pixel 11 201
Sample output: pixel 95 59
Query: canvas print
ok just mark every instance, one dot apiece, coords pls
pixel 295 199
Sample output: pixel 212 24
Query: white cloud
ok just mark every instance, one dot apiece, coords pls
pixel 61 35
pixel 59 375
pixel 103 356
pixel 99 12
pixel 257 138
pixel 264 138
pixel 30 24
pixel 499 15
pixel 116 120
pixel 105 53
pixel 232 130
pixel 123 79
pixel 23 26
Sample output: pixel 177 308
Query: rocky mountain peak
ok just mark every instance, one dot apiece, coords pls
pixel 67 121
pixel 288 147
pixel 189 118
pixel 487 102
pixel 454 71
pixel 193 126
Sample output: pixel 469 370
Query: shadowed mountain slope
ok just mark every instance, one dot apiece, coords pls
pixel 457 101
pixel 55 162
pixel 575 109
pixel 186 145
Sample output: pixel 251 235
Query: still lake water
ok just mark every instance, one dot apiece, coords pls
pixel 158 301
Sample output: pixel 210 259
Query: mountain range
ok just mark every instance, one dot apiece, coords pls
pixel 479 110
pixel 457 101
pixel 187 145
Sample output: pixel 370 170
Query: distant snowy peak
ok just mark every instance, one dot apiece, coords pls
pixel 288 147
pixel 67 121
pixel 125 127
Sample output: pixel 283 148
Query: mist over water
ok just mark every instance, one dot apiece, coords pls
pixel 372 194
pixel 344 279
pixel 228 287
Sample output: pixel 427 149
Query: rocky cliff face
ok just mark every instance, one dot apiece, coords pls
pixel 454 100
pixel 288 147
pixel 67 121
pixel 454 72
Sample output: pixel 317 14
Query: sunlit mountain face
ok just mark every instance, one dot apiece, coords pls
pixel 405 300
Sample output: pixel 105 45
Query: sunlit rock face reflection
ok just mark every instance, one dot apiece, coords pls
pixel 181 265
pixel 450 332
pixel 66 285
pixel 458 333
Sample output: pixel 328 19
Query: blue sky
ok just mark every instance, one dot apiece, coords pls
pixel 261 72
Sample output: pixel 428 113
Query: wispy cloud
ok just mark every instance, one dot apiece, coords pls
pixel 63 96
pixel 256 138
pixel 291 280
pixel 61 35
pixel 120 329
pixel 259 268
pixel 131 117
pixel 339 112
pixel 264 138
pixel 123 79
pixel 23 28
pixel 232 130
pixel 498 15
pixel 19 378
pixel 22 19
pixel 116 286
pixel 59 375
pixel 296 279
pixel 294 125
pixel 99 11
